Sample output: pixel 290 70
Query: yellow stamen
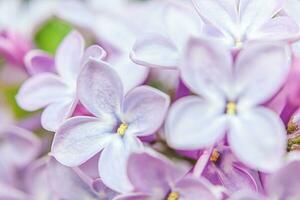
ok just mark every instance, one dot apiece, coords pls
pixel 231 108
pixel 292 127
pixel 173 196
pixel 238 44
pixel 122 129
pixel 214 156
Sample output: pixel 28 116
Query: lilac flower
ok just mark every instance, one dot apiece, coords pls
pixel 57 92
pixel 235 22
pixel 164 48
pixel 115 129
pixel 231 95
pixel 283 185
pixel 154 177
pixel 18 147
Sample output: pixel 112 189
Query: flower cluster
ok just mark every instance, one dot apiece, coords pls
pixel 150 100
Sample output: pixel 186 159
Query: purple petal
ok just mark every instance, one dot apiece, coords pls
pixel 100 89
pixel 285 183
pixel 144 110
pixel 40 91
pixel 258 139
pixel 134 196
pixel 79 139
pixel 190 188
pixel 37 61
pixel 68 56
pixel 186 131
pixel 113 162
pixel 246 195
pixel 65 180
pixel 157 177
pixel 254 64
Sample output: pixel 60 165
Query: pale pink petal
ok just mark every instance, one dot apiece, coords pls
pixel 40 91
pixel 258 139
pixel 113 162
pixel 56 113
pixel 100 89
pixel 194 123
pixel 155 50
pixel 203 73
pixel 130 73
pixel 144 110
pixel 37 61
pixel 79 138
pixel 221 13
pixel 285 183
pixel 68 56
pixel 261 67
pixel 8 192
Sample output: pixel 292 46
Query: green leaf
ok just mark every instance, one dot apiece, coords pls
pixel 50 34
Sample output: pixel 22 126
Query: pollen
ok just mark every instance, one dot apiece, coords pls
pixel 292 127
pixel 238 44
pixel 122 129
pixel 231 108
pixel 173 196
pixel 214 156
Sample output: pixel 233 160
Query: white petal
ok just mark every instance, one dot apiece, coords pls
pixel 254 13
pixel 261 67
pixel 113 162
pixel 79 139
pixel 41 90
pixel 68 56
pixel 56 113
pixel 182 23
pixel 130 73
pixel 207 68
pixel 100 89
pixel 145 109
pixel 221 13
pixel 258 139
pixel 155 50
pixel 194 123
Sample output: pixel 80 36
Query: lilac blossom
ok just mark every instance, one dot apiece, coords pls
pixel 154 177
pixel 57 92
pixel 236 22
pixel 119 121
pixel 230 97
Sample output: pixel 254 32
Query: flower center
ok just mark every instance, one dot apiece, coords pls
pixel 214 156
pixel 173 196
pixel 122 129
pixel 292 127
pixel 238 44
pixel 231 108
